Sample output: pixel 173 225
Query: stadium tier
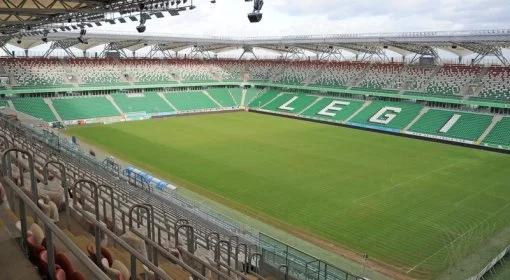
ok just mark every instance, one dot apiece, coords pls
pixel 237 95
pixel 496 84
pixel 459 125
pixel 141 102
pixel 191 101
pixel 500 134
pixel 448 81
pixel 332 109
pixel 290 103
pixel 35 107
pixel 77 108
pixel 391 115
pixel 223 97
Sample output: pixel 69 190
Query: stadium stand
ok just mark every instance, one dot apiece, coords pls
pixel 459 125
pixel 290 103
pixel 339 109
pixel 413 78
pixel 77 108
pixel 97 72
pixel 496 84
pixel 260 70
pixel 381 75
pixel 192 71
pixel 500 134
pixel 141 102
pixel 190 101
pixel 263 98
pixel 452 79
pixel 393 115
pixel 34 73
pixel 230 70
pixel 237 95
pixel 222 96
pixel 251 94
pixel 298 72
pixel 148 71
pixel 340 74
pixel 35 107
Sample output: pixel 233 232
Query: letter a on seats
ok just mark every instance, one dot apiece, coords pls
pixel 286 106
pixel 333 107
pixel 382 117
pixel 453 120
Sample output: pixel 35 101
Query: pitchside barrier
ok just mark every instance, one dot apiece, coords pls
pixel 276 258
pixel 499 258
pixel 297 264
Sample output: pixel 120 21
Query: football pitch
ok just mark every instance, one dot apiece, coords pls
pixel 414 205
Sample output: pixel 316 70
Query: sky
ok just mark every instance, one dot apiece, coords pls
pixel 303 17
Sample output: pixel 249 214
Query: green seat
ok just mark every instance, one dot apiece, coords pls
pixel 500 134
pixel 469 126
pixel 146 102
pixel 222 96
pixel 298 104
pixel 35 107
pixel 188 101
pixel 346 110
pixel 408 112
pixel 78 108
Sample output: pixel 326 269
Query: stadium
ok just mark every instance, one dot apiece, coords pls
pixel 326 157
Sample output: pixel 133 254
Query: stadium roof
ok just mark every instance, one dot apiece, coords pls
pixel 482 43
pixel 21 17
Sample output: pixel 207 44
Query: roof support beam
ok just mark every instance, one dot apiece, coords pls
pixel 484 50
pixel 160 48
pixel 64 45
pixel 247 50
pixel 119 47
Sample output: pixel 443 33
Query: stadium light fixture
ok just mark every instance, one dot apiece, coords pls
pixel 256 15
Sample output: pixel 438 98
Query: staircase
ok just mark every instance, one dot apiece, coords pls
pixel 50 104
pixel 422 112
pixel 110 98
pixel 167 102
pixel 210 97
pixel 495 120
pixel 359 110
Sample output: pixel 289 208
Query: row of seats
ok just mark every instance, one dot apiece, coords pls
pixel 468 126
pixel 141 102
pixel 499 135
pixel 496 84
pixel 447 80
pixel 34 106
pixel 76 108
pixel 190 101
pixel 392 115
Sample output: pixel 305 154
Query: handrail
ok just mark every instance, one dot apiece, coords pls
pixel 63 183
pixel 97 234
pixel 126 246
pixel 179 262
pixel 53 229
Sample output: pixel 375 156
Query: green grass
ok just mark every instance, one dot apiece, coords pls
pixel 416 205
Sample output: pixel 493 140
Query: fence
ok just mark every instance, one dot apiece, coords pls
pixel 297 264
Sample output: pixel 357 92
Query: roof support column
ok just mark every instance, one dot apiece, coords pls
pixel 247 50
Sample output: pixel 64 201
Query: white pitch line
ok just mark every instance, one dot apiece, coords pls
pixel 408 181
pixel 451 242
